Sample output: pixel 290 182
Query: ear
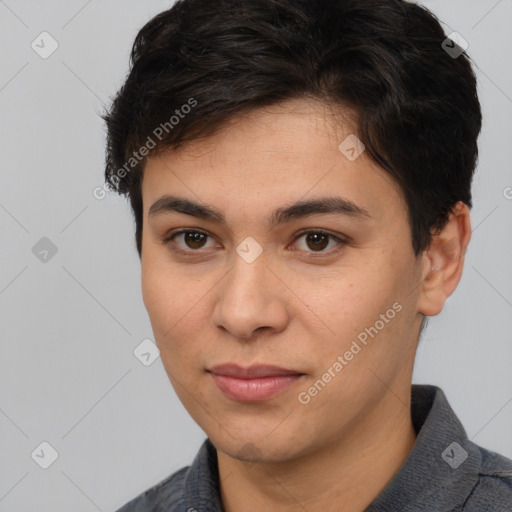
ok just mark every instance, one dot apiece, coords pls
pixel 443 261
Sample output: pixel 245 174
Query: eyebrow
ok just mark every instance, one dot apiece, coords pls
pixel 323 205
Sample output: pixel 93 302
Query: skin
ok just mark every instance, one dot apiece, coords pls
pixel 292 309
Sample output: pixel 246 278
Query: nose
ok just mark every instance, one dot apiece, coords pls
pixel 251 298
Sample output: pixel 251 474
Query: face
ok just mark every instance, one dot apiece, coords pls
pixel 234 273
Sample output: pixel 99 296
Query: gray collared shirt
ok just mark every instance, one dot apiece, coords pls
pixel 444 472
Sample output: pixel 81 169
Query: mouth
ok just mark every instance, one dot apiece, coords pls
pixel 255 383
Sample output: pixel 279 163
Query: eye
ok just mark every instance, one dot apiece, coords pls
pixel 317 241
pixel 193 239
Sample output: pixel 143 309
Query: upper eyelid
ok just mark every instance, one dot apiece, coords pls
pixel 171 234
pixel 319 230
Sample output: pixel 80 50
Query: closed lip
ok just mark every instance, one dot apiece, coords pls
pixel 251 372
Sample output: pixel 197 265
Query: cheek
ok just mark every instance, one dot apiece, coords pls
pixel 176 308
pixel 162 285
pixel 365 316
pixel 155 293
pixel 163 298
pixel 347 303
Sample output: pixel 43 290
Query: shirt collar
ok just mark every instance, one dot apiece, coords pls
pixel 442 466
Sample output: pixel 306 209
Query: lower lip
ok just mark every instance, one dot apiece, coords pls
pixel 254 390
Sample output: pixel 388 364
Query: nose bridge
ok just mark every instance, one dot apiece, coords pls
pixel 248 298
pixel 249 276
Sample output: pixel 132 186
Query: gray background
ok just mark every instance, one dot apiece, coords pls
pixel 69 325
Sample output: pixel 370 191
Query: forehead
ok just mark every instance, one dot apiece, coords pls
pixel 269 157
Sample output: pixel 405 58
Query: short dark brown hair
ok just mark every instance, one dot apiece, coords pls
pixel 198 64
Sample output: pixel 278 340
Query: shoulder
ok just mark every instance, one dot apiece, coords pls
pixel 493 490
pixel 162 497
pixel 197 483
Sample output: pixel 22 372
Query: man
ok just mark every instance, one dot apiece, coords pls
pixel 300 176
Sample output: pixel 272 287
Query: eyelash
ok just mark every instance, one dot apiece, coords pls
pixel 169 241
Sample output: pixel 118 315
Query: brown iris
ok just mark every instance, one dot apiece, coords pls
pixel 315 238
pixel 194 237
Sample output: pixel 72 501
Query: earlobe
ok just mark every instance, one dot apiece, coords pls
pixel 444 261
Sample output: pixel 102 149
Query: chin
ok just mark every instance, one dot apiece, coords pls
pixel 258 448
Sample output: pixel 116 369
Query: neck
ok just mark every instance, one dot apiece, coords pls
pixel 351 472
